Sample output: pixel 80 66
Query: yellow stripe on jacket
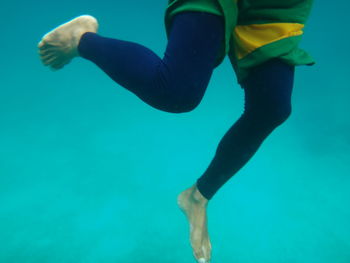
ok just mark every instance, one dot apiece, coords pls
pixel 251 37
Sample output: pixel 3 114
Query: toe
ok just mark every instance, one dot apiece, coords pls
pixel 46 43
pixel 54 68
pixel 47 56
pixel 48 61
pixel 46 51
pixel 48 46
pixel 198 253
pixel 207 244
pixel 59 64
pixel 41 44
pixel 206 252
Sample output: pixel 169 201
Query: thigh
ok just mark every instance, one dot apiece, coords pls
pixel 193 46
pixel 227 9
pixel 268 88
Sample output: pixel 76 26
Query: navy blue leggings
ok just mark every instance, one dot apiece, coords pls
pixel 178 82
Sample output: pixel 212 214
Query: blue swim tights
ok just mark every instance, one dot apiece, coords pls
pixel 177 82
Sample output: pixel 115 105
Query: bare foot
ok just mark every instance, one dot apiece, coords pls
pixel 58 47
pixel 194 206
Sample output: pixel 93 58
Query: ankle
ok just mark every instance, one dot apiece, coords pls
pixel 198 197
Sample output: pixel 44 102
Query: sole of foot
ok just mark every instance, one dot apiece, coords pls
pixel 59 46
pixel 193 205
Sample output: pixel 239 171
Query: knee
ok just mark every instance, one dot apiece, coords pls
pixel 277 114
pixel 184 104
pixel 184 100
pixel 270 116
pixel 282 114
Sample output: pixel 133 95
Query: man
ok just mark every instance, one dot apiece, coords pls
pixel 261 39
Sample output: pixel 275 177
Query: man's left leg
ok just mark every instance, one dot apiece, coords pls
pixel 268 92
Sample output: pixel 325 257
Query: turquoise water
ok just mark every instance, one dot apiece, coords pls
pixel 88 173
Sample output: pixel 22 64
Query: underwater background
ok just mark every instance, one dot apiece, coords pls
pixel 89 173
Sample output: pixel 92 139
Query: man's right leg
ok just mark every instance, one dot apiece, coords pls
pixel 175 83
